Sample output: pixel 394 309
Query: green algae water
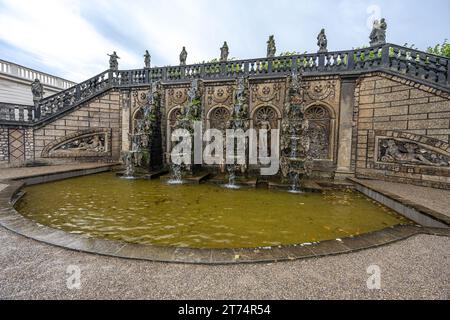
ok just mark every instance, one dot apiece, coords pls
pixel 199 216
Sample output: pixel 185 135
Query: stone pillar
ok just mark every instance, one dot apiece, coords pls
pixel 344 156
pixel 126 117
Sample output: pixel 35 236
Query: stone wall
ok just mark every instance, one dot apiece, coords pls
pixel 377 126
pixel 4 158
pixel 101 115
pixel 403 131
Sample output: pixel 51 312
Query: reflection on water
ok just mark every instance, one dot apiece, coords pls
pixel 200 216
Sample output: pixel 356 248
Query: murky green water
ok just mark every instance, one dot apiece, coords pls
pixel 200 216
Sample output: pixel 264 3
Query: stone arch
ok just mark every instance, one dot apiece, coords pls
pixel 172 116
pixel 171 119
pixel 326 106
pixel 218 116
pixel 138 114
pixel 321 130
pixel 266 116
pixel 266 110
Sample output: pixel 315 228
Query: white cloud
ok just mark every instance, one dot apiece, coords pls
pixel 74 36
pixel 54 32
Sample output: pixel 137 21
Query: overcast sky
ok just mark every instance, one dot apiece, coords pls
pixel 71 38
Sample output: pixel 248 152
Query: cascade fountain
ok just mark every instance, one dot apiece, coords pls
pixel 190 113
pixel 238 121
pixel 142 137
pixel 296 162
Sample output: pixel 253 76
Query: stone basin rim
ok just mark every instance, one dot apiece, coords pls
pixel 12 220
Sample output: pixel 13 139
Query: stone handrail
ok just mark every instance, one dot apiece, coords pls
pixel 420 66
pixel 19 72
pixel 16 113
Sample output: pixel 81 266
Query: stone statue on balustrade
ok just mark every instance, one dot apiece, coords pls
pixel 113 61
pixel 322 42
pixel 37 89
pixel 183 57
pixel 378 34
pixel 147 60
pixel 224 52
pixel 271 47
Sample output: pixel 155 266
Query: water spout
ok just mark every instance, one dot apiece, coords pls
pixel 231 177
pixel 176 174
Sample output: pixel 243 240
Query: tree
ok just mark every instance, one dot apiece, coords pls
pixel 441 49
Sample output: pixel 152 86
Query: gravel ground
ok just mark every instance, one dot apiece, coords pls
pixel 435 199
pixel 417 268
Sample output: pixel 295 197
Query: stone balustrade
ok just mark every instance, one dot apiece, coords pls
pixel 23 73
pixel 404 62
pixel 14 113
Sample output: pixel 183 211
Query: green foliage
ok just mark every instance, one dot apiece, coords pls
pixel 441 49
pixel 291 53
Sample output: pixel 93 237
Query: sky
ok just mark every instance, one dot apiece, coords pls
pixel 71 38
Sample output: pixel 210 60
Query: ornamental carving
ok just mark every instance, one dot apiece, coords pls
pixel 266 118
pixel 219 118
pixel 220 95
pixel 87 143
pixel 140 98
pixel 266 92
pixel 174 117
pixel 321 90
pixel 177 96
pixel 403 151
pixel 319 132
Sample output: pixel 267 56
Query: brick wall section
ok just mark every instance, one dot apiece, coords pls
pixel 102 113
pixel 385 104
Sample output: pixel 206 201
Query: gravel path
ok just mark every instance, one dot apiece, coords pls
pixel 417 268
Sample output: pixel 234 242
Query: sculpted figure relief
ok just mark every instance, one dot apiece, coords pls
pixel 406 152
pixel 183 57
pixel 224 52
pixel 378 35
pixel 147 59
pixel 94 143
pixel 322 41
pixel 271 47
pixel 37 90
pixel 113 61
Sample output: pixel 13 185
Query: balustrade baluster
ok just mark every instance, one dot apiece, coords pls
pixel 350 61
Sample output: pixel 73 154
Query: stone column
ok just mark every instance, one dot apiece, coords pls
pixel 126 116
pixel 344 156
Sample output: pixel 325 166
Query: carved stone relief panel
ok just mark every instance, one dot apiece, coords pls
pixel 177 96
pixel 86 143
pixel 140 98
pixel 266 92
pixel 321 90
pixel 319 132
pixel 219 95
pixel 404 151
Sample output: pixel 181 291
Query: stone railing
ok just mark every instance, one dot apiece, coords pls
pixel 23 73
pixel 15 113
pixel 419 66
